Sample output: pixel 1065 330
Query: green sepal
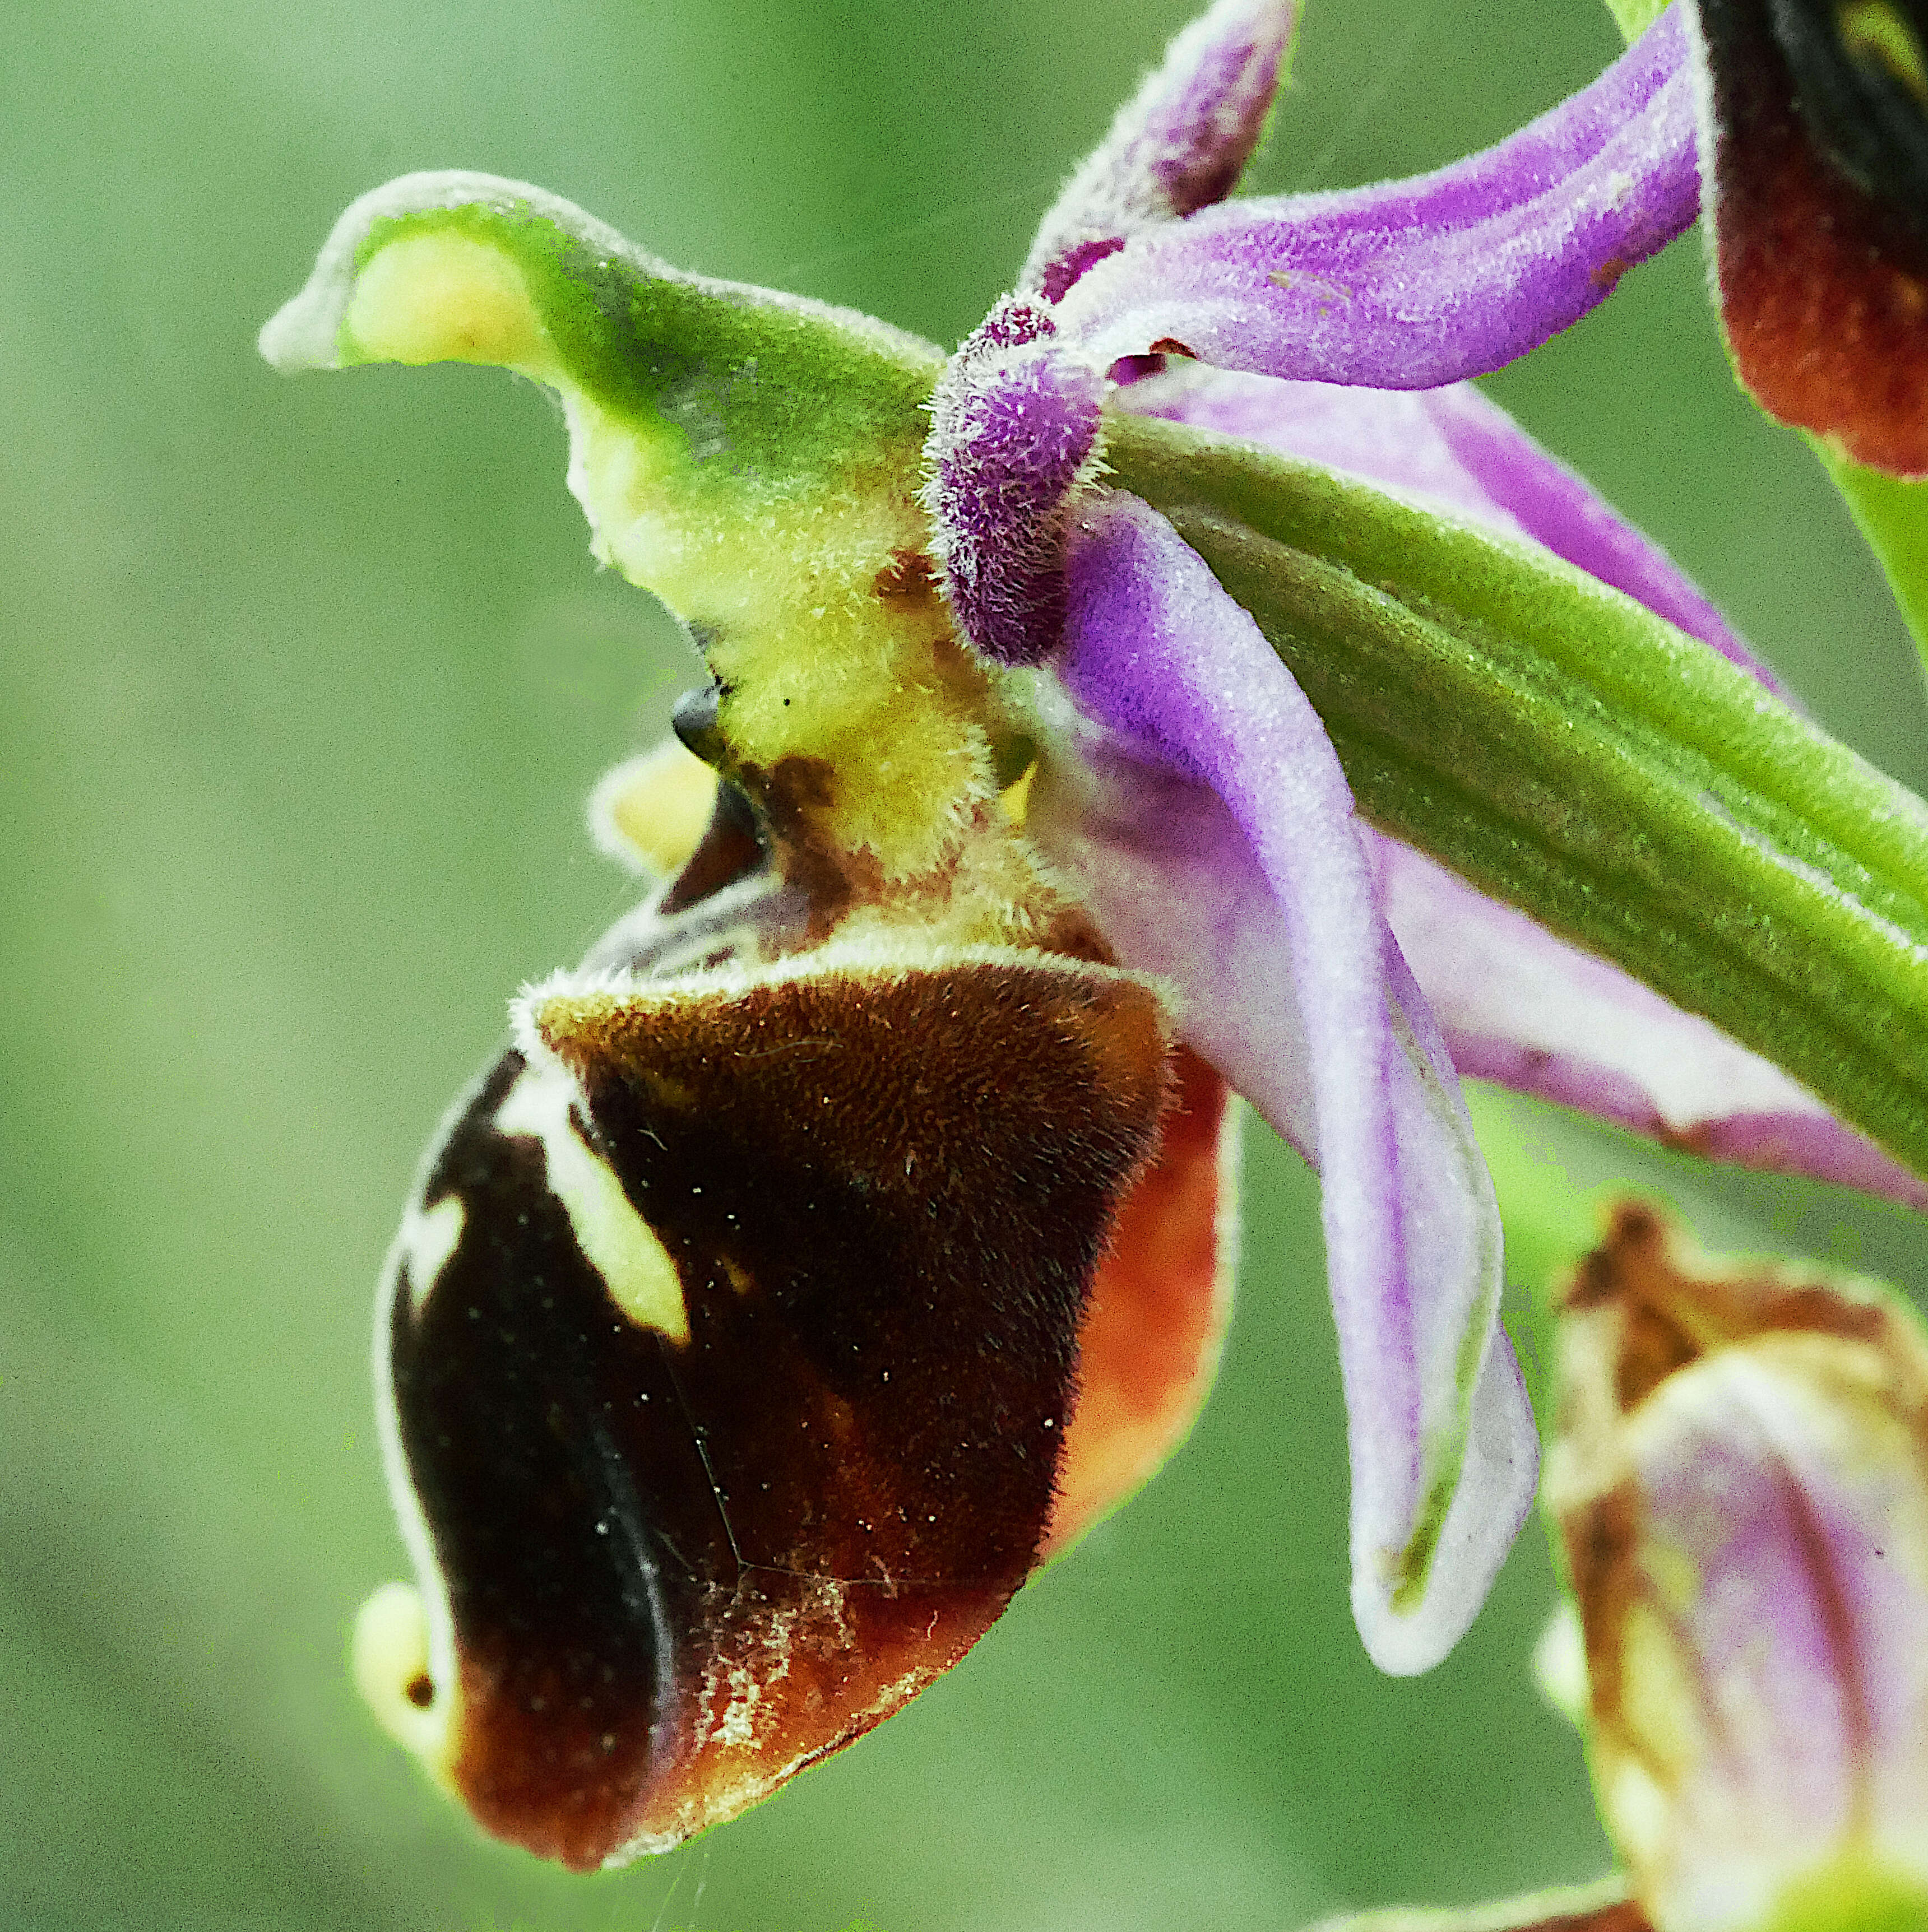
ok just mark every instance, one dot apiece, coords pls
pixel 1571 753
pixel 751 457
pixel 1892 513
pixel 732 386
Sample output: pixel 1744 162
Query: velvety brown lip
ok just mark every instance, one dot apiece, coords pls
pixel 677 1571
pixel 1821 227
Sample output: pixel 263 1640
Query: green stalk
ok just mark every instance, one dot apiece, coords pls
pixel 1570 752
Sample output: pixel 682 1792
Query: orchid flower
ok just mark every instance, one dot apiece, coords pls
pixel 853 1228
pixel 1814 140
pixel 1738 1483
pixel 1816 134
pixel 1741 1486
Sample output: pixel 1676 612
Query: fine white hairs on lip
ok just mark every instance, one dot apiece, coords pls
pixel 618 1242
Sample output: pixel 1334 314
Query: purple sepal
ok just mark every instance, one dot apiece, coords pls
pixel 1217 793
pixel 1548 502
pixel 1014 427
pixel 1529 1012
pixel 1177 145
pixel 1779 1477
pixel 1414 283
pixel 1739 1476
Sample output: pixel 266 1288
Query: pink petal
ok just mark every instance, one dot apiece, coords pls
pixel 1179 144
pixel 1411 284
pixel 1013 426
pixel 1202 807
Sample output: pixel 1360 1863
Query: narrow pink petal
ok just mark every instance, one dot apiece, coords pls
pixel 1217 791
pixel 1411 284
pixel 1013 425
pixel 1179 144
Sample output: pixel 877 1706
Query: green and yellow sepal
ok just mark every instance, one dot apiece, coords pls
pixel 751 457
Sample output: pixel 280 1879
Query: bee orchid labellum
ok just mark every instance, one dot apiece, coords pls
pixel 853 1227
pixel 731 1345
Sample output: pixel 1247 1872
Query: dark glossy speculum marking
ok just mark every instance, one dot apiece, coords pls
pixel 527 1409
pixel 1821 202
pixel 690 1543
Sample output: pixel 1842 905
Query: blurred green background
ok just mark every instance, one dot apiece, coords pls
pixel 301 686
